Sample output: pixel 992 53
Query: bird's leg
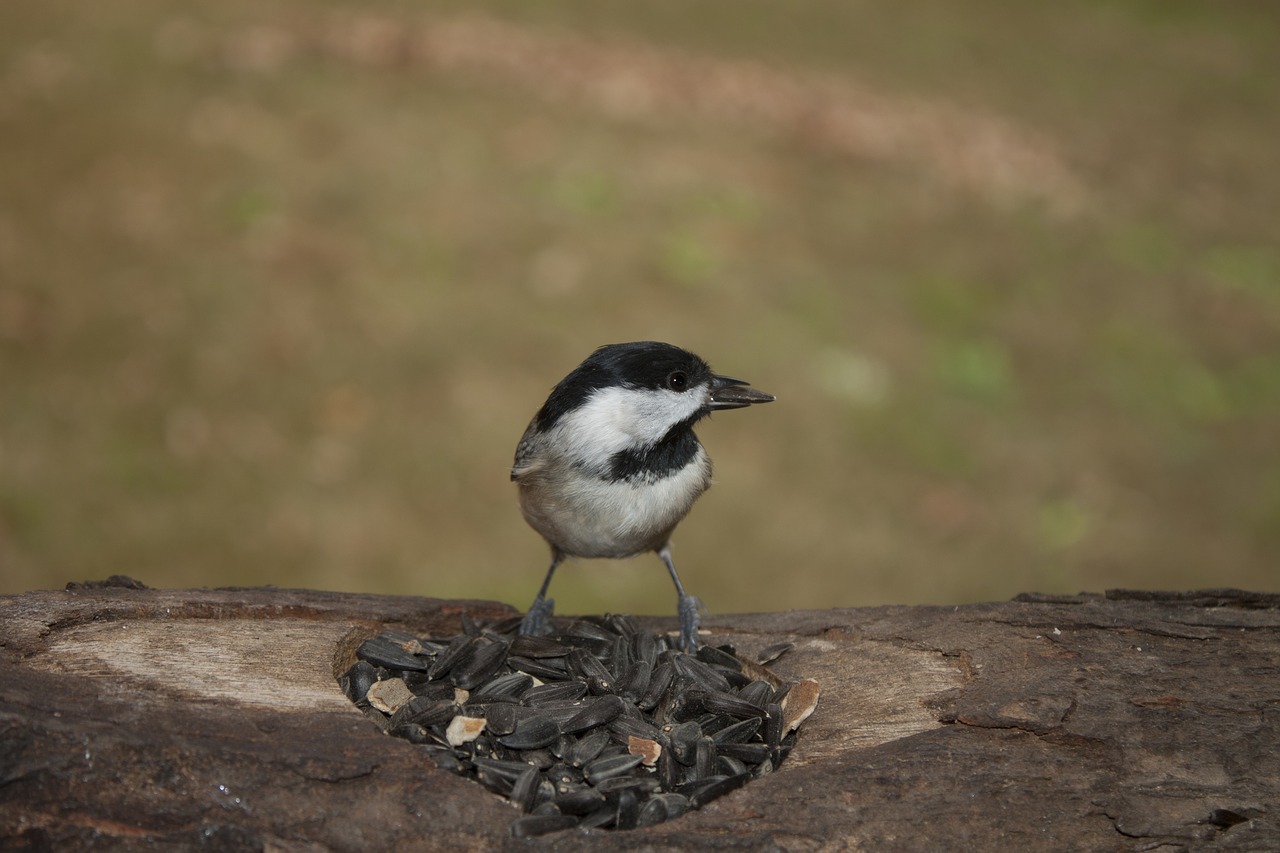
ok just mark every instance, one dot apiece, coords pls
pixel 536 621
pixel 687 606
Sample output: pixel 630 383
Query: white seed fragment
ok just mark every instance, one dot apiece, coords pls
pixel 648 750
pixel 463 730
pixel 390 695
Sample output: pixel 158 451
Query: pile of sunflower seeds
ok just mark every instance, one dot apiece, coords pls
pixel 600 724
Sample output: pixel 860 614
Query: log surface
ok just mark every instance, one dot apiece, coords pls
pixel 211 719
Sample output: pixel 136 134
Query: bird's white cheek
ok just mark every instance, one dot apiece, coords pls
pixel 615 419
pixel 656 412
pixel 595 431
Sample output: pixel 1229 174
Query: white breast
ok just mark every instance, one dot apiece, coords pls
pixel 586 516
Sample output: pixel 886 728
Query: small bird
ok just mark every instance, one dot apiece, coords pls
pixel 610 464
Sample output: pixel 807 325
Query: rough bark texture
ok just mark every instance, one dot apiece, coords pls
pixel 211 719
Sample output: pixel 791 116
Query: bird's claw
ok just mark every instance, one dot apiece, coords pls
pixel 537 622
pixel 688 608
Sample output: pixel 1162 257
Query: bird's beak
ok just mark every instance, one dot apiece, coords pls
pixel 730 393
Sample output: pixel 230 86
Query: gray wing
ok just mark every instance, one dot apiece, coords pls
pixel 527 454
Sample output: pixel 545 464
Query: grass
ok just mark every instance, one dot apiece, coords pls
pixel 280 285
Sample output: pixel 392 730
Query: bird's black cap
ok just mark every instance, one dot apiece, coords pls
pixel 640 364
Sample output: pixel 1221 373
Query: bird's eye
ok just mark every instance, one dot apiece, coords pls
pixel 678 381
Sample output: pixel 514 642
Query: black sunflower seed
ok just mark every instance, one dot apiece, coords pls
pixel 553 692
pixel 562 711
pixel 422 685
pixel 524 791
pixel 510 685
pixel 719 657
pixel 734 706
pixel 446 760
pixel 677 804
pixel 600 649
pixel 604 816
pixel 737 678
pixel 579 800
pixel 784 748
pixel 563 777
pixel 510 625
pixel 624 727
pixel 548 669
pixel 653 812
pixel 684 740
pixel 394 651
pixel 742 731
pixel 698 672
pixel 628 809
pixel 585 629
pixel 773 725
pixel 625 732
pixel 769 654
pixel 532 732
pixel 501 769
pixel 749 753
pixel 500 785
pixel 540 758
pixel 686 703
pixel 500 720
pixel 620 623
pixel 478 704
pixel 614 749
pixel 610 766
pixel 712 723
pixel 480 666
pixel 459 648
pixel 701 793
pixel 599 679
pixel 620 661
pixel 704 758
pixel 412 732
pixel 560 748
pixel 642 785
pixel 527 646
pixel 645 647
pixel 757 693
pixel 659 683
pixel 587 748
pixel 424 712
pixel 600 712
pixel 357 680
pixel 635 681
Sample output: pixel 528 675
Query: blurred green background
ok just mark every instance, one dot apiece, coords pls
pixel 282 282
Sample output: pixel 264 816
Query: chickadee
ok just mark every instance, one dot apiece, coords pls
pixel 610 464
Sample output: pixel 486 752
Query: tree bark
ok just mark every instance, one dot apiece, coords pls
pixel 211 719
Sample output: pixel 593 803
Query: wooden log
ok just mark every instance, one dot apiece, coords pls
pixel 212 719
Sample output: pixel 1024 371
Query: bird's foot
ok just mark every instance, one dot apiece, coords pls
pixel 688 608
pixel 537 622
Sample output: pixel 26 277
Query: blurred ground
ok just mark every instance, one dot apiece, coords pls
pixel 281 284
